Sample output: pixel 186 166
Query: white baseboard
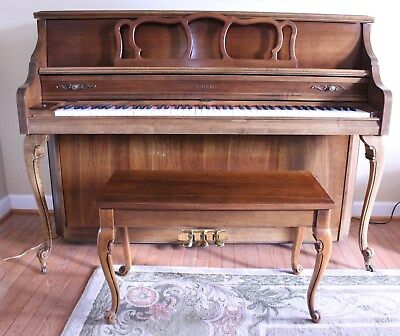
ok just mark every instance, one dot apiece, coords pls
pixel 5 206
pixel 380 209
pixel 28 202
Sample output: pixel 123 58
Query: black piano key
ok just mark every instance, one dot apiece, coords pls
pixel 328 108
pixel 248 107
pixel 224 107
pixel 142 107
pixel 241 107
pixel 287 107
pixel 201 107
pixel 346 108
pixel 280 107
pixel 208 107
pixel 148 107
pixel 312 108
pixel 218 107
pixel 352 108
pixel 159 107
pixel 258 107
pixel 68 107
pixel 305 107
pixel 189 107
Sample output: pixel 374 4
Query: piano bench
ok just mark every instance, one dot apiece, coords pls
pixel 202 206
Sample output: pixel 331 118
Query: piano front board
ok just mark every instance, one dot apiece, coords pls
pixel 81 164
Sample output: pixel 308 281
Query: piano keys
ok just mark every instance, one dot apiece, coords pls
pixel 200 91
pixel 239 111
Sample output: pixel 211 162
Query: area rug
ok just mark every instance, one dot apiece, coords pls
pixel 203 301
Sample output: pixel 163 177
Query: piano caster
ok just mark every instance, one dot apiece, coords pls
pixel 110 317
pixel 42 254
pixel 297 270
pixel 315 316
pixel 367 254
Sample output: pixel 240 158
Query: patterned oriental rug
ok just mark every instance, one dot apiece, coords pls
pixel 203 301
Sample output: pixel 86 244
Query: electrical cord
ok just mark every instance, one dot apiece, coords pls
pixel 387 221
pixel 21 254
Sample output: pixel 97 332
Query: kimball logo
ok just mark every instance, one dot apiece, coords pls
pixel 207 86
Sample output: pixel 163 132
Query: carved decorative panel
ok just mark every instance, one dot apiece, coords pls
pixel 227 40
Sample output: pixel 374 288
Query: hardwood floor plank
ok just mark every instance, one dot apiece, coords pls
pixel 190 257
pixel 215 256
pixel 178 256
pixel 34 304
pixel 11 270
pixel 227 256
pixel 74 285
pixel 44 298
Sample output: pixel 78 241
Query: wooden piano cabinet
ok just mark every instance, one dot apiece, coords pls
pixel 170 57
pixel 80 164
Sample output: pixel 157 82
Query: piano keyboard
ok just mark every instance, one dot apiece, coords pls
pixel 246 111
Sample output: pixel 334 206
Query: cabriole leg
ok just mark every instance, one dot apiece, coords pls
pixel 105 244
pixel 34 149
pixel 299 236
pixel 374 152
pixel 323 246
pixel 124 269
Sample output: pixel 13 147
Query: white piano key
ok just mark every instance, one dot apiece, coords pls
pixel 211 111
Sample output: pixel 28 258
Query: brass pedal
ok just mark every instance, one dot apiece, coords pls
pixel 202 237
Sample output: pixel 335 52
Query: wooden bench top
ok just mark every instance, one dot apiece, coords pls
pixel 217 190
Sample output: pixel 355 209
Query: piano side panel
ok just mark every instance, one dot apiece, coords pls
pixel 87 161
pixel 91 42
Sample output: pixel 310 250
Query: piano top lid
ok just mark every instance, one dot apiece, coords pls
pixel 117 14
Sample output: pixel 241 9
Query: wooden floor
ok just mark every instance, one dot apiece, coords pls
pixel 34 304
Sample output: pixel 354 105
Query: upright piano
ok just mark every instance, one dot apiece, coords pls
pixel 200 91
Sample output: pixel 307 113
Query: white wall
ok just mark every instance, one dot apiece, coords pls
pixel 3 186
pixel 18 37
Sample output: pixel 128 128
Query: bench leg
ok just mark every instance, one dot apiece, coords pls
pixel 323 245
pixel 105 243
pixel 124 269
pixel 296 267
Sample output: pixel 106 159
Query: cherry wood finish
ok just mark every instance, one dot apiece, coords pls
pixel 137 193
pixel 326 157
pixel 111 56
pixel 215 190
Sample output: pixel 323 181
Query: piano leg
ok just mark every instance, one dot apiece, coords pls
pixel 124 269
pixel 323 246
pixel 298 241
pixel 374 152
pixel 105 244
pixel 34 147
